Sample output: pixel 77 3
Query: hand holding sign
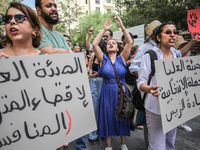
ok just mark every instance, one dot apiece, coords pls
pixel 193 20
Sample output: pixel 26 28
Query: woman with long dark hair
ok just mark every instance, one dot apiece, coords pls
pixel 165 36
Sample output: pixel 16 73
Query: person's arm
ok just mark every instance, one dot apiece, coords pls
pixel 127 49
pixel 186 48
pixel 90 31
pixel 144 72
pixel 135 62
pixel 89 65
pixel 129 61
pixel 51 50
pixel 95 44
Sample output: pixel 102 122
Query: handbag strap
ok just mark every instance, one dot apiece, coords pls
pixel 121 90
pixel 117 78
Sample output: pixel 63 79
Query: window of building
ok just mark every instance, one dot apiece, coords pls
pixel 86 12
pixel 108 10
pixel 97 1
pixel 108 1
pixel 97 8
pixel 85 1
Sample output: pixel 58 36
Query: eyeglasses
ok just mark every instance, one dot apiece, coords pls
pixel 175 32
pixel 105 36
pixel 18 18
pixel 69 41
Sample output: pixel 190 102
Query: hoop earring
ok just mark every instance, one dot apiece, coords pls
pixel 34 35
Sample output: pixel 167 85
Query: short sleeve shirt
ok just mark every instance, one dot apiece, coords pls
pixel 53 38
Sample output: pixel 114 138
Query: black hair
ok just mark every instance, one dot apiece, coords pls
pixel 111 33
pixel 67 36
pixel 157 31
pixel 38 3
pixel 118 46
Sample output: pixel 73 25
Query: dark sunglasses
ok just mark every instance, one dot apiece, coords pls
pixel 105 36
pixel 69 41
pixel 175 32
pixel 18 18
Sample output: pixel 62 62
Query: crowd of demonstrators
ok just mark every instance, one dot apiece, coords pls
pixel 29 34
pixel 108 125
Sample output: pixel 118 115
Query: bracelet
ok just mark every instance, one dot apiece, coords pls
pixel 123 29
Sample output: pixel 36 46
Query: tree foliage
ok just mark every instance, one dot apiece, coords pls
pixel 94 20
pixel 136 12
pixel 69 11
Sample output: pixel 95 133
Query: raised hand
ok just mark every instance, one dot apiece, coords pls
pixel 90 31
pixel 107 24
pixel 120 23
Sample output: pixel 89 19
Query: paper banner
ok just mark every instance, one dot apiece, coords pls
pixel 193 20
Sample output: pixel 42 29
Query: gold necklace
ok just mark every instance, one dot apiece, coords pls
pixel 23 53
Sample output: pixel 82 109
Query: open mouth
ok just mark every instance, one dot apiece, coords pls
pixel 13 30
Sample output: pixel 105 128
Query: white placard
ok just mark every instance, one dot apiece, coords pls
pixel 179 81
pixel 45 101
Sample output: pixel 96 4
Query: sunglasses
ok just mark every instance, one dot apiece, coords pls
pixel 169 32
pixel 18 18
pixel 105 36
pixel 69 41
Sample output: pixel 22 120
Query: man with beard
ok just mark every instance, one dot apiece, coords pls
pixel 52 41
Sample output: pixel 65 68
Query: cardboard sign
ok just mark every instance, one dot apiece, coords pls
pixel 180 97
pixel 193 20
pixel 45 101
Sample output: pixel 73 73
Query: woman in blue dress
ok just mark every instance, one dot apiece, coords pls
pixel 108 125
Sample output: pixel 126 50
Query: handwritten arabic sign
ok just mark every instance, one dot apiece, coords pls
pixel 180 96
pixel 193 20
pixel 45 101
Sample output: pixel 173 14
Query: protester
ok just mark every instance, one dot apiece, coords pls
pixel 149 43
pixel 95 85
pixel 124 39
pixel 108 35
pixel 52 41
pixel 23 31
pixel 165 36
pixel 80 142
pixel 89 53
pixel 108 125
pixel 68 40
pixel 131 78
pixel 119 41
pixel 76 49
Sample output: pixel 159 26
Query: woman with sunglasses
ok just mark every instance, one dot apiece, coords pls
pixel 165 36
pixel 22 31
pixel 108 123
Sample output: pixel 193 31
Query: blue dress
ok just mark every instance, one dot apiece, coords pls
pixel 107 123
